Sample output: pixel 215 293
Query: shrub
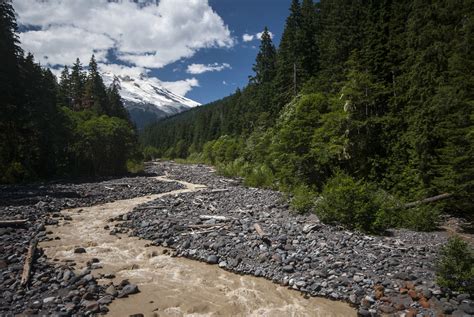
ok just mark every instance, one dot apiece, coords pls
pixel 150 153
pixel 455 267
pixel 303 199
pixel 354 204
pixel 260 176
pixel 135 166
pixel 420 218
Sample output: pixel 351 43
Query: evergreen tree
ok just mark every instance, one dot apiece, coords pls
pixel 288 58
pixel 308 40
pixel 64 89
pixel 115 104
pixel 95 96
pixel 264 66
pixel 77 82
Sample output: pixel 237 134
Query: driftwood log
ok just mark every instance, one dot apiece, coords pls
pixel 262 234
pixel 217 218
pixel 25 276
pixel 427 200
pixel 12 223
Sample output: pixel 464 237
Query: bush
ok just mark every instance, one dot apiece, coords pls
pixel 135 167
pixel 151 153
pixel 455 267
pixel 303 199
pixel 355 205
pixel 420 218
pixel 260 176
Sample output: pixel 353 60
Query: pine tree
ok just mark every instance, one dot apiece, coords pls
pixel 64 89
pixel 288 58
pixel 264 66
pixel 77 82
pixel 308 40
pixel 95 96
pixel 11 109
pixel 115 104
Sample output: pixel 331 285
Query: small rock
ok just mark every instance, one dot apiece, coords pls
pixel 48 300
pixel 467 308
pixel 79 250
pixel 91 306
pixel 107 299
pixel 128 290
pixel 288 268
pixel 212 259
pixel 111 291
pixel 387 309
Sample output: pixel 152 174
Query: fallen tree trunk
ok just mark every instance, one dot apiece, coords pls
pixel 259 230
pixel 12 223
pixel 427 200
pixel 25 276
pixel 217 218
pixel 262 234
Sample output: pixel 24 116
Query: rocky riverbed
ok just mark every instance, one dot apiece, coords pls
pixel 56 288
pixel 243 230
pixel 252 231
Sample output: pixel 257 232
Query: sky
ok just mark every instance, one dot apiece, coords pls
pixel 203 49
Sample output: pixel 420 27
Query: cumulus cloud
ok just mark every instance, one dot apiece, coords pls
pixel 250 37
pixel 143 34
pixel 202 68
pixel 247 37
pixel 181 87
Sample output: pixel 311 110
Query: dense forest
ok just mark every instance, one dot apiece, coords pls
pixel 364 106
pixel 76 127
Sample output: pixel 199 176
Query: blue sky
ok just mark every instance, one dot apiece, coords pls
pixel 242 17
pixel 195 47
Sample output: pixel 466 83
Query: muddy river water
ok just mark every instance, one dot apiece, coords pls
pixel 171 286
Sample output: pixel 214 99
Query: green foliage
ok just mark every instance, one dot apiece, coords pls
pixel 420 218
pixel 264 66
pixel 303 199
pixel 103 145
pixel 260 175
pixel 455 268
pixel 135 166
pixel 151 153
pixel 354 204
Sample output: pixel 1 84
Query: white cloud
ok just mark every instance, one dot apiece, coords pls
pixel 147 35
pixel 201 68
pixel 250 37
pixel 181 87
pixel 247 37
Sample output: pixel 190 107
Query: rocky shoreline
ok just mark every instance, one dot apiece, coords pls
pixel 57 288
pixel 251 231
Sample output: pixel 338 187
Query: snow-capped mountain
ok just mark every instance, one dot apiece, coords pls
pixel 147 100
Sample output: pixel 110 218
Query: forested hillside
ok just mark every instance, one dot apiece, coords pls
pixel 75 128
pixel 369 103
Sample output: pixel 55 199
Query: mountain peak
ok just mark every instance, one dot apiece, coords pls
pixel 146 99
